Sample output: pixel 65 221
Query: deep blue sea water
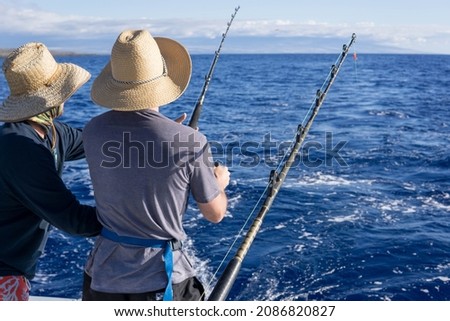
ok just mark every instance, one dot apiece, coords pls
pixel 363 215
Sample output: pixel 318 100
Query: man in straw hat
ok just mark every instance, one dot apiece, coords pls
pixel 143 168
pixel 33 149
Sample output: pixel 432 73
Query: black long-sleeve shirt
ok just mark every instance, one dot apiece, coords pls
pixel 32 193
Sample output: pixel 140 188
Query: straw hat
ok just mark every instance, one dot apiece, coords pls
pixel 144 72
pixel 37 82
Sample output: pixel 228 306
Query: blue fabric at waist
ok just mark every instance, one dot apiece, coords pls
pixel 167 245
pixel 110 235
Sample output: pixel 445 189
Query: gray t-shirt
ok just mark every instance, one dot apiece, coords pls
pixel 143 167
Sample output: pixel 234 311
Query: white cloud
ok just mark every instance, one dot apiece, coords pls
pixel 25 21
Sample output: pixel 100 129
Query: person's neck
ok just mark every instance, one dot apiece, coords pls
pixel 38 129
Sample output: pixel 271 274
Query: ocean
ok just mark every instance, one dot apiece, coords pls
pixel 364 213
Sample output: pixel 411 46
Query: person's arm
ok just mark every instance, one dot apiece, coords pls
pixel 71 140
pixel 215 210
pixel 38 186
pixel 208 183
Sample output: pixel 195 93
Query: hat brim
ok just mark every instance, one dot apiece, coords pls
pixel 68 79
pixel 120 96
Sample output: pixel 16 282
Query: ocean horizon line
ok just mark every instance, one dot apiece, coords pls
pixel 4 52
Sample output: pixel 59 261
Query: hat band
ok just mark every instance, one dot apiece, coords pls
pixel 140 82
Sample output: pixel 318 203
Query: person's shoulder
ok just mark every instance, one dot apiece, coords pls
pixel 63 127
pixel 16 135
pixel 97 121
pixel 98 118
pixel 187 131
pixel 21 151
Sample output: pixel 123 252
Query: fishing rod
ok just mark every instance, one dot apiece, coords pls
pixel 193 122
pixel 226 280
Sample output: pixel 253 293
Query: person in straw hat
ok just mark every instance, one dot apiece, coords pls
pixel 33 148
pixel 143 167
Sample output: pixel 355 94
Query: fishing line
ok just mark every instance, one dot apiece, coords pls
pixel 355 64
pixel 193 122
pixel 277 177
pixel 239 235
pixel 307 116
pixel 195 116
pixel 263 194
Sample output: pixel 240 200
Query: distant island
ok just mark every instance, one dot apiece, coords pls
pixel 6 51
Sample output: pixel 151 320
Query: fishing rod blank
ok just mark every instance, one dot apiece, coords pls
pixel 226 280
pixel 193 122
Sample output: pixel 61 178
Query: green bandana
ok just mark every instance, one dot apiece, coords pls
pixel 46 120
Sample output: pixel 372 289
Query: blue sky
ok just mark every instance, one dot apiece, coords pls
pixel 261 26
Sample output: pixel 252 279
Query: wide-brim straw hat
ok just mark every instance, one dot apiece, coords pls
pixel 143 72
pixel 37 82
